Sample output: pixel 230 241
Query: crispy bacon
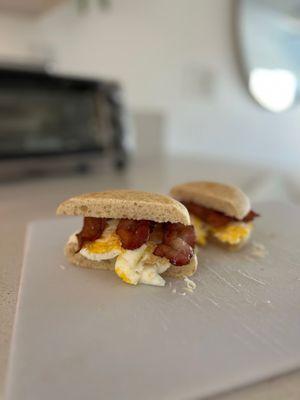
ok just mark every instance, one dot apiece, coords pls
pixel 186 233
pixel 250 216
pixel 215 218
pixel 178 243
pixel 92 230
pixel 132 233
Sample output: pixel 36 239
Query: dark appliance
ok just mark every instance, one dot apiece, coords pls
pixel 47 116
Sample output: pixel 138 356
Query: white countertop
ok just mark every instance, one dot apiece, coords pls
pixel 23 201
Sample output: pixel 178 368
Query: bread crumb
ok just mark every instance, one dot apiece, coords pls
pixel 174 290
pixel 190 285
pixel 62 267
pixel 258 250
pixel 182 293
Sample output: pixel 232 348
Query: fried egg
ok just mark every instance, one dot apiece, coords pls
pixel 201 230
pixel 233 233
pixel 141 266
pixel 128 266
pixel 153 266
pixel 107 247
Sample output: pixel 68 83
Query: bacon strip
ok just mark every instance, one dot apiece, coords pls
pixel 92 230
pixel 133 234
pixel 215 218
pixel 186 233
pixel 178 243
pixel 250 216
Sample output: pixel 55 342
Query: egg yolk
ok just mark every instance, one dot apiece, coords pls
pixel 232 233
pixel 105 244
pixel 124 276
pixel 201 230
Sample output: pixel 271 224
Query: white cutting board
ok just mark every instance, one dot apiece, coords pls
pixel 83 334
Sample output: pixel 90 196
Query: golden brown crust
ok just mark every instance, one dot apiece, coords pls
pixel 80 261
pixel 227 199
pixel 131 204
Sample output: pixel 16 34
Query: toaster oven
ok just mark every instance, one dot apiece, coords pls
pixel 46 116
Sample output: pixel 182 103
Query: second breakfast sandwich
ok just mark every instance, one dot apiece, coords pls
pixel 220 212
pixel 139 235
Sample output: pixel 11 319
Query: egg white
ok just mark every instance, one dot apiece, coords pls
pixel 99 256
pixel 128 266
pixel 141 266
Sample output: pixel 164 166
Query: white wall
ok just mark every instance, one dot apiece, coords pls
pixel 176 57
pixel 17 34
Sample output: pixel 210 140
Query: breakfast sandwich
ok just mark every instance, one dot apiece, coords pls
pixel 219 212
pixel 142 236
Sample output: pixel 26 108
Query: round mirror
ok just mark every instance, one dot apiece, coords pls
pixel 269 39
